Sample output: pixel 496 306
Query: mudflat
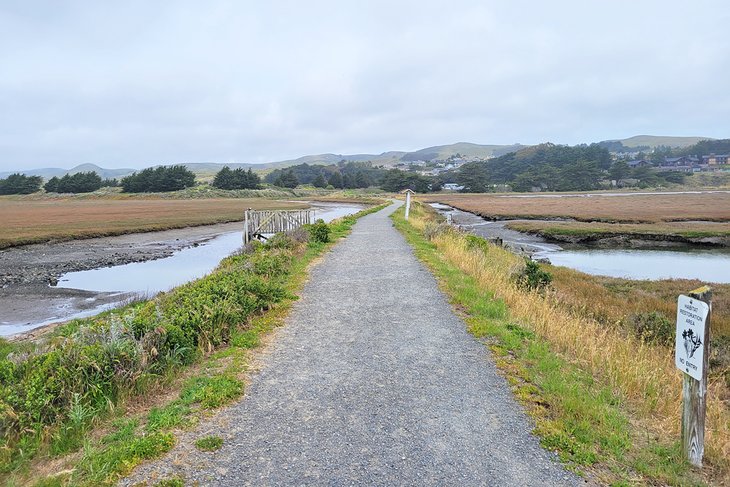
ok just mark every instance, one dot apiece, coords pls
pixel 28 273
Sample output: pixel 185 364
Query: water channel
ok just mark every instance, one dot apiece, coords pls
pixel 118 284
pixel 154 276
pixel 707 264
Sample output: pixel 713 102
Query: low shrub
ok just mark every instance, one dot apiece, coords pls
pixel 531 277
pixel 319 231
pixel 474 242
pixel 433 229
pixel 653 328
pixel 59 386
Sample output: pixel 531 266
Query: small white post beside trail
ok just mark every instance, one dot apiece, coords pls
pixel 691 355
pixel 245 227
pixel 408 193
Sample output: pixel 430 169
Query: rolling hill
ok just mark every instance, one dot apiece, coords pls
pixel 658 140
pixel 49 172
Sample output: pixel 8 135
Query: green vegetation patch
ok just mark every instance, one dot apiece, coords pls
pixel 209 443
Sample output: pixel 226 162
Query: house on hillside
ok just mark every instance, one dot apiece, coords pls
pixel 638 163
pixel 682 164
pixel 716 159
pixel 452 187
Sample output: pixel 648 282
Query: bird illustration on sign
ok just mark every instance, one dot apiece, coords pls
pixel 691 342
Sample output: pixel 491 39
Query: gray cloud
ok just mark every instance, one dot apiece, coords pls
pixel 138 83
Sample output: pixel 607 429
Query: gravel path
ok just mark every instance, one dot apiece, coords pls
pixel 374 381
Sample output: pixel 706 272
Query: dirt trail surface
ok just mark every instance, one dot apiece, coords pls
pixel 373 381
pixel 27 271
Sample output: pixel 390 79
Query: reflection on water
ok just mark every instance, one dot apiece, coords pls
pixel 705 265
pixel 154 276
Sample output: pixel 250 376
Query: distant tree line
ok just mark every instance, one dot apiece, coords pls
pixel 343 175
pixel 20 184
pixel 82 182
pixel 549 167
pixel 158 179
pixel 236 179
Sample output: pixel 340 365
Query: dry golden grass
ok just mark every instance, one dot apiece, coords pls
pixel 634 208
pixel 28 221
pixel 610 300
pixel 643 374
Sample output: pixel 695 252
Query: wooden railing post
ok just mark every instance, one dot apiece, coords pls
pixel 246 235
pixel 693 338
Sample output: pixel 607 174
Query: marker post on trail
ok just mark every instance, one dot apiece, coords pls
pixel 691 355
pixel 408 193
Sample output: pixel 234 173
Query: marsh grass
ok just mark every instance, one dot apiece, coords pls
pixel 31 221
pixel 600 396
pixel 630 208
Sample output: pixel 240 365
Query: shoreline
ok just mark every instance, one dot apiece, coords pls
pixel 27 294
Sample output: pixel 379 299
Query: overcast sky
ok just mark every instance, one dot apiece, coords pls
pixel 136 83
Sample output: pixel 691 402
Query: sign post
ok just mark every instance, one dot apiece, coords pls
pixel 408 201
pixel 691 355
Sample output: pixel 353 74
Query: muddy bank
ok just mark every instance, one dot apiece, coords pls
pixel 518 242
pixel 26 294
pixel 627 240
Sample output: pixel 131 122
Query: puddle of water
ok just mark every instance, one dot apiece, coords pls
pixel 708 266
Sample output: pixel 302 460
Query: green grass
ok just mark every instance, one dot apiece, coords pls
pixel 169 416
pixel 173 482
pixel 209 443
pixel 582 420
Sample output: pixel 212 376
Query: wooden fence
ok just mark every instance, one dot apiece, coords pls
pixel 260 222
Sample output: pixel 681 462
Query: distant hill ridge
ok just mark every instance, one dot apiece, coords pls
pixel 659 140
pixel 390 158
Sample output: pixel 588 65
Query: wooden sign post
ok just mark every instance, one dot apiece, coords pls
pixel 408 193
pixel 692 352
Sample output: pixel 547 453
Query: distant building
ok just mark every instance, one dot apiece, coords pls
pixel 716 159
pixel 452 187
pixel 681 161
pixel 638 163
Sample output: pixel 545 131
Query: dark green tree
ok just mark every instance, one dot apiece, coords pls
pixel 620 170
pixel 319 181
pixel 336 180
pixel 51 185
pixel 224 178
pixel 362 180
pixel 20 184
pixel 158 179
pixel 81 182
pixel 473 176
pixel 287 179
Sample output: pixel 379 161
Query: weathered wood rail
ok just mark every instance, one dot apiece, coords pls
pixel 260 222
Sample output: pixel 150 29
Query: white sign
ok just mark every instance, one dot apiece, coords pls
pixel 690 345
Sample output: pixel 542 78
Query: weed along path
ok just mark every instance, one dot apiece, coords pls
pixel 373 381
